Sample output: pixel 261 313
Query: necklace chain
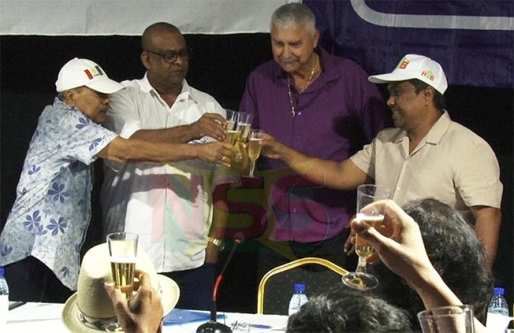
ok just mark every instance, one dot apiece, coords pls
pixel 291 102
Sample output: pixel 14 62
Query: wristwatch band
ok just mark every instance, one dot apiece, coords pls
pixel 220 244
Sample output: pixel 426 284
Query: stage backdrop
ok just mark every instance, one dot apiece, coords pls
pixel 473 40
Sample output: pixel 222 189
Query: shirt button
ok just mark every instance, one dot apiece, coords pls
pixel 398 188
pixel 300 113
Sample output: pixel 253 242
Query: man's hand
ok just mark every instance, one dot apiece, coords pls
pixel 404 252
pixel 271 147
pixel 216 152
pixel 143 312
pixel 210 124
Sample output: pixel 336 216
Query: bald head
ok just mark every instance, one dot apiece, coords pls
pixel 154 30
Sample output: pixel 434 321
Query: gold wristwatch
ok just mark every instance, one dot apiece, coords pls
pixel 220 244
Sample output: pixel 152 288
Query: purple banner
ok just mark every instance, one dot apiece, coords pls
pixel 472 40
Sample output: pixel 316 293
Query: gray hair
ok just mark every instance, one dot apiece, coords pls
pixel 292 15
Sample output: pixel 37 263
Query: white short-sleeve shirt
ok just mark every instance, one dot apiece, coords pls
pixel 170 204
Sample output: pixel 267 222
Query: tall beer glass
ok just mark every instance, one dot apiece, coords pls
pixel 123 254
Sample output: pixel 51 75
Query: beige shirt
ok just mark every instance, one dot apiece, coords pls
pixel 451 164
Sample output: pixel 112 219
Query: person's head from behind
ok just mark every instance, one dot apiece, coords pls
pixel 83 84
pixel 293 36
pixel 455 252
pixel 343 309
pixel 165 56
pixel 416 83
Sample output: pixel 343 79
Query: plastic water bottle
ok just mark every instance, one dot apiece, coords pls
pixel 4 298
pixel 299 298
pixel 498 303
pixel 497 309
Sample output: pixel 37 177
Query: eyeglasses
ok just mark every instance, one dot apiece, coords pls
pixel 172 56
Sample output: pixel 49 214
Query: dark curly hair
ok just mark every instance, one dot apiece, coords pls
pixel 455 252
pixel 345 310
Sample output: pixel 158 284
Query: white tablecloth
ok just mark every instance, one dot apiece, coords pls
pixel 46 318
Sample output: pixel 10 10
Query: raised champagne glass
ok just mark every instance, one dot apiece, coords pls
pixel 123 255
pixel 244 124
pixel 233 132
pixel 254 148
pixel 366 194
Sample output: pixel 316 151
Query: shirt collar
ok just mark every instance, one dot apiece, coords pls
pixel 436 132
pixel 327 64
pixel 185 93
pixel 440 127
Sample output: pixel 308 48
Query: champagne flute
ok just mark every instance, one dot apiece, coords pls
pixel 245 119
pixel 244 125
pixel 254 147
pixel 233 132
pixel 366 194
pixel 123 255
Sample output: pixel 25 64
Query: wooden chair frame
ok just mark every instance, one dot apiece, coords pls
pixel 299 262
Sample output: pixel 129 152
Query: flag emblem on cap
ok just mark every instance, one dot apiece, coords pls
pixel 403 63
pixel 94 71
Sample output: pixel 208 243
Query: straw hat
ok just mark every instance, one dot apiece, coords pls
pixel 91 304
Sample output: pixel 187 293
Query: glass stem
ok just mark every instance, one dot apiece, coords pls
pixel 252 167
pixel 361 266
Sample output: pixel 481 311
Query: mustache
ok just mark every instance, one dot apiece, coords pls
pixel 288 60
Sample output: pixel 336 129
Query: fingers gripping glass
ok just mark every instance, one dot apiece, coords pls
pixel 172 56
pixel 366 194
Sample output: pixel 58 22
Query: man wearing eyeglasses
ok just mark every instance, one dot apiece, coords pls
pixel 169 205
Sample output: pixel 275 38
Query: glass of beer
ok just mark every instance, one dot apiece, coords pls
pixel 366 194
pixel 123 254
pixel 254 148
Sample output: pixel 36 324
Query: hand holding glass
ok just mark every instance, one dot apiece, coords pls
pixel 366 194
pixel 254 148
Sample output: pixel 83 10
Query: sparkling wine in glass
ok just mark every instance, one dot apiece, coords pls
pixel 123 255
pixel 254 148
pixel 366 194
pixel 245 120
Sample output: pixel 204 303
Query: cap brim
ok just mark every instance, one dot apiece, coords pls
pixel 170 293
pixel 391 77
pixel 70 315
pixel 107 86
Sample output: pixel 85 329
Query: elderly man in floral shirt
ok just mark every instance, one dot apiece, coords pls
pixel 41 241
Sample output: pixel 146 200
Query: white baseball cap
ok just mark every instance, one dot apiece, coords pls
pixel 82 72
pixel 414 66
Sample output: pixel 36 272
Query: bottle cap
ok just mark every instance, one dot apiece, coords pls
pixel 499 291
pixel 299 287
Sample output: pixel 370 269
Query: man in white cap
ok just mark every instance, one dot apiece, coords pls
pixel 426 155
pixel 41 241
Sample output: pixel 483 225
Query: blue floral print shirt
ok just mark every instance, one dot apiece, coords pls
pixel 52 210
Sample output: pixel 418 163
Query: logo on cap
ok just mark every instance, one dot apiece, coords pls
pixel 428 74
pixel 404 63
pixel 93 71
